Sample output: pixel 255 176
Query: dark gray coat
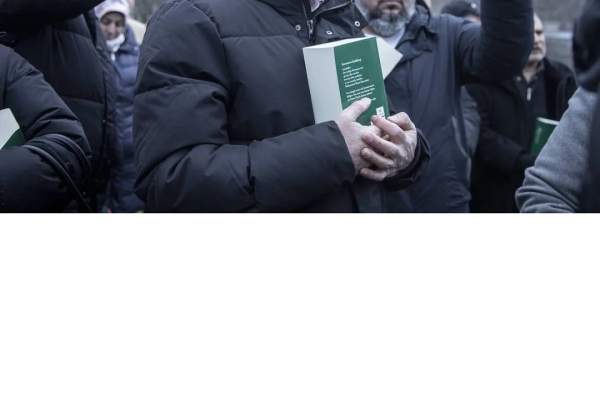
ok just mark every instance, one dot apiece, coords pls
pixel 441 54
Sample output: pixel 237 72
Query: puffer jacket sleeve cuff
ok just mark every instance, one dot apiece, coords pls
pixel 414 171
pixel 68 153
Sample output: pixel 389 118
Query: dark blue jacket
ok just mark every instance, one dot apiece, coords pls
pixel 440 54
pixel 121 196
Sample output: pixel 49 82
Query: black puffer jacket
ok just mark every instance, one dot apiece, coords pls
pixel 61 38
pixel 507 130
pixel 28 183
pixel 223 118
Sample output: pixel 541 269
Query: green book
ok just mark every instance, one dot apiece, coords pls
pixel 10 132
pixel 342 72
pixel 543 129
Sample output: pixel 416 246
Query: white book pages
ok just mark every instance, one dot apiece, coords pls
pixel 8 126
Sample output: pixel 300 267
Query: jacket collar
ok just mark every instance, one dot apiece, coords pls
pixel 557 79
pixel 130 45
pixel 421 21
pixel 297 7
pixel 419 36
pixel 552 73
pixel 285 7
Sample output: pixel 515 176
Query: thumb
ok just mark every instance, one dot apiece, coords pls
pixel 357 108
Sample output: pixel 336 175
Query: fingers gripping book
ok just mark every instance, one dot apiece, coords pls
pixel 342 72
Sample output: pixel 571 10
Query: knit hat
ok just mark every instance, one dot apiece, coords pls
pixel 461 8
pixel 112 6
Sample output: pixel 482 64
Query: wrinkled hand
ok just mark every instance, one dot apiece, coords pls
pixel 354 133
pixel 393 150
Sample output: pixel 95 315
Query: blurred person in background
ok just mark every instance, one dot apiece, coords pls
pixel 30 179
pixel 440 55
pixel 124 53
pixel 509 112
pixel 62 39
pixel 566 175
pixel 467 131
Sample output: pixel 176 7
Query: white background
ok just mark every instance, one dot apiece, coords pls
pixel 299 312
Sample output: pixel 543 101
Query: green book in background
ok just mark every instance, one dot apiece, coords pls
pixel 342 72
pixel 10 133
pixel 543 129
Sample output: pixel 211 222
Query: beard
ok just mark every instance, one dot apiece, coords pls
pixel 386 22
pixel 536 56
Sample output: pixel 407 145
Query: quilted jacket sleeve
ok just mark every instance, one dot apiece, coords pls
pixel 185 159
pixel 27 182
pixel 497 49
pixel 14 14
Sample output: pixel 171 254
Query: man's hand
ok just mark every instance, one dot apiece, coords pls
pixel 354 133
pixel 392 153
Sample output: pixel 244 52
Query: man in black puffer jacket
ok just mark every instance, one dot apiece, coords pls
pixel 509 111
pixel 62 39
pixel 28 181
pixel 223 118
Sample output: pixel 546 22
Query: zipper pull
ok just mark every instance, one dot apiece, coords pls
pixel 310 23
pixel 529 93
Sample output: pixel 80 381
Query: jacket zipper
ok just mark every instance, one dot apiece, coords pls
pixel 310 23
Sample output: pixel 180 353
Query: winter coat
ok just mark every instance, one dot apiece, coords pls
pixel 507 130
pixel 587 63
pixel 28 182
pixel 62 39
pixel 586 46
pixel 555 183
pixel 121 195
pixel 223 118
pixel 440 55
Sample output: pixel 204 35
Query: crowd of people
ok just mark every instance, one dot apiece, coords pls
pixel 210 110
